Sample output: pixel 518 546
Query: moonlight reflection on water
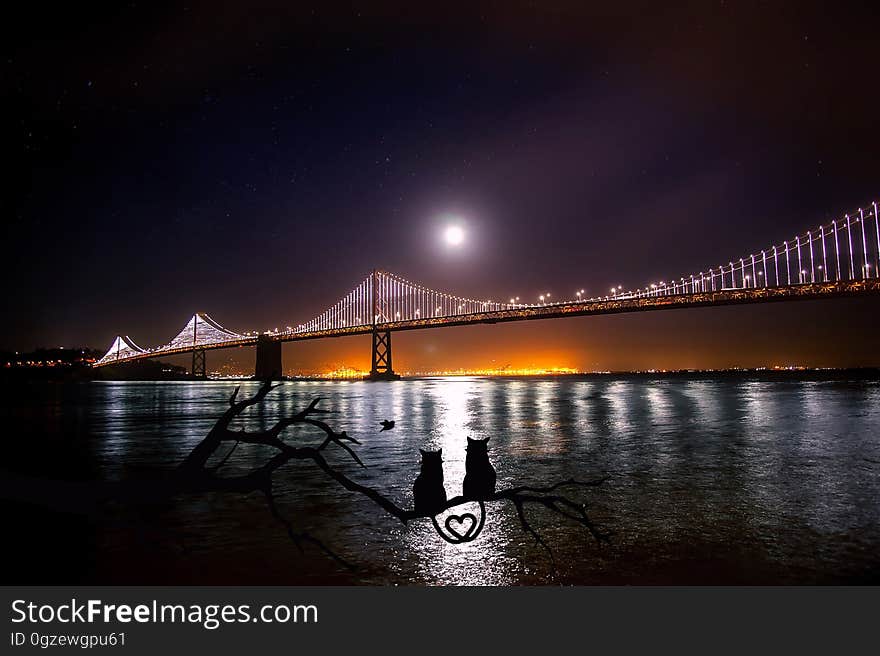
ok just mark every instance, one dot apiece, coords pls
pixel 712 480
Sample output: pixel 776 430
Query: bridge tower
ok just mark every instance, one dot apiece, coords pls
pixel 199 370
pixel 268 359
pixel 380 360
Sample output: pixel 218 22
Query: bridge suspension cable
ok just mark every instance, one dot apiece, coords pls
pixel 385 297
pixel 844 250
pixel 200 331
pixel 122 348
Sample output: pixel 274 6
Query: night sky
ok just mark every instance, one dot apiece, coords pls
pixel 257 161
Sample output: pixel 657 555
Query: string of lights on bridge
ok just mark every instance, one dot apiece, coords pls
pixel 845 249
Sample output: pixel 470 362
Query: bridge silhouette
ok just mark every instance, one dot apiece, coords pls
pixel 837 259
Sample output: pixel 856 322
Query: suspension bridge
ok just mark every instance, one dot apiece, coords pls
pixel 837 259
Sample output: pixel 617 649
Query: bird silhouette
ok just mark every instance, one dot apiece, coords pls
pixel 387 425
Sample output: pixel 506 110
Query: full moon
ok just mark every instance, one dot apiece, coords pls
pixel 454 235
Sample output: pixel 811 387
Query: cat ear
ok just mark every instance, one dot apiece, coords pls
pixel 486 440
pixel 423 452
pixel 470 441
pixel 439 451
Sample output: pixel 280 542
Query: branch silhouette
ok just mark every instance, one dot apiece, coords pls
pixel 550 497
pixel 195 474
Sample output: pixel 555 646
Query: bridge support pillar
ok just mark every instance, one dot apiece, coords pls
pixel 268 359
pixel 381 357
pixel 199 370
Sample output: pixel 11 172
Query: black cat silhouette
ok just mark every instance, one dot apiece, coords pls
pixel 479 477
pixel 428 491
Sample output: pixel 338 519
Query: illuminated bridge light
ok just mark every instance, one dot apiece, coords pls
pixel 844 252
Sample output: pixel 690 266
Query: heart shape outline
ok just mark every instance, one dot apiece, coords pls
pixel 460 520
pixel 452 535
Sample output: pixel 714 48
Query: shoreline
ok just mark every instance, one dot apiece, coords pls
pixel 766 374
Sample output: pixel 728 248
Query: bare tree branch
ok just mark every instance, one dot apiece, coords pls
pixel 303 536
pixel 194 475
pixel 521 496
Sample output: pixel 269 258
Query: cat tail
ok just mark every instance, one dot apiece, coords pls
pixel 454 537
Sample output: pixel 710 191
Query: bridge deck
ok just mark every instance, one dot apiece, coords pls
pixel 805 292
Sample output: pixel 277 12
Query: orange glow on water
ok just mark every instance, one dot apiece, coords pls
pixel 502 371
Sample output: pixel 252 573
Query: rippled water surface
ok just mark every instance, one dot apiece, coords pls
pixel 732 480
